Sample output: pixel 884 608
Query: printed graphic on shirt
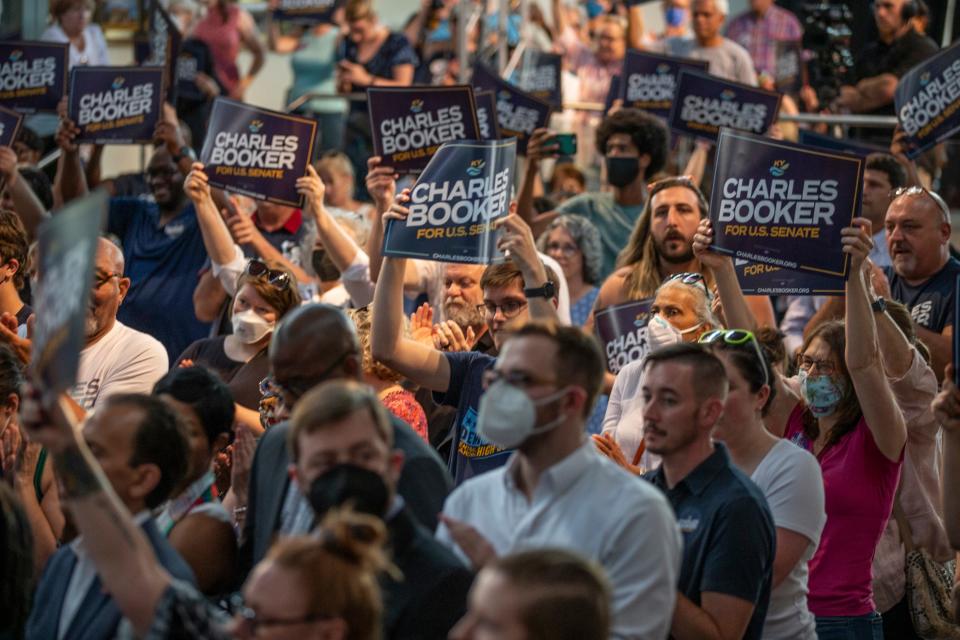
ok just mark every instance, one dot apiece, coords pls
pixel 471 445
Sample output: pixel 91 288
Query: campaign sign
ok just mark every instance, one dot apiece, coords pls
pixel 783 204
pixel 257 152
pixel 761 279
pixel 165 42
pixel 306 12
pixel 540 74
pixel 518 113
pixel 67 248
pixel 410 123
pixel 789 73
pixel 10 122
pixel 928 100
pixel 956 331
pixel 453 206
pixel 704 104
pixel 486 103
pixel 844 145
pixel 622 330
pixel 115 105
pixel 651 80
pixel 33 75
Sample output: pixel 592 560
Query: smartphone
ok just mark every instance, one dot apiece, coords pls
pixel 566 144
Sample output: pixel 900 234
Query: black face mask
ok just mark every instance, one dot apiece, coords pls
pixel 622 171
pixel 348 484
pixel 323 266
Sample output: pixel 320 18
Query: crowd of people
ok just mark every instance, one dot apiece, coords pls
pixel 278 431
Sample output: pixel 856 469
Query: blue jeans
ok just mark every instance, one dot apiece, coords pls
pixel 867 627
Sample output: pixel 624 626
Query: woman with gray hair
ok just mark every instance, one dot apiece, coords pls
pixel 574 242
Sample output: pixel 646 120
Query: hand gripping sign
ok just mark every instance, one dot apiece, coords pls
pixel 116 105
pixel 33 75
pixel 622 330
pixel 67 249
pixel 928 100
pixel 651 80
pixel 257 152
pixel 783 204
pixel 410 123
pixel 518 113
pixel 487 115
pixel 704 104
pixel 455 203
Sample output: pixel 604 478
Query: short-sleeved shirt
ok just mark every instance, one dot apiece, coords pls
pixel 470 455
pixel 613 220
pixel 930 303
pixel 243 378
pixel 727 60
pixel 394 51
pixel 859 483
pixel 728 534
pixel 163 264
pixel 288 239
pixel 763 36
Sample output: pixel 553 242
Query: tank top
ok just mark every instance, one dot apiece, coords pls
pixel 223 39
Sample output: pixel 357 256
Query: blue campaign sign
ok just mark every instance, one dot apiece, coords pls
pixel 454 204
pixel 10 122
pixel 540 74
pixel 67 248
pixel 956 331
pixel 410 123
pixel 844 145
pixel 518 113
pixel 257 152
pixel 33 75
pixel 783 204
pixel 486 102
pixel 928 100
pixel 116 105
pixel 651 80
pixel 307 12
pixel 705 104
pixel 761 279
pixel 622 330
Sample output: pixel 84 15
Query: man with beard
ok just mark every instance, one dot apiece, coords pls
pixel 463 327
pixel 923 274
pixel 661 245
pixel 634 147
pixel 162 244
pixel 115 358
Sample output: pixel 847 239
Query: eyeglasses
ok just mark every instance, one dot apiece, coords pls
pixel 826 367
pixel 690 278
pixel 520 379
pixel 917 190
pixel 509 309
pixel 279 279
pixel 566 250
pixel 738 338
pixel 102 279
pixel 252 620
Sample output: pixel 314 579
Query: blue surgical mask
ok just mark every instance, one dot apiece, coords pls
pixel 821 393
pixel 675 16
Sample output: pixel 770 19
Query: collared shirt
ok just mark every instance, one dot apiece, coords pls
pixel 81 579
pixel 728 534
pixel 763 36
pixel 587 504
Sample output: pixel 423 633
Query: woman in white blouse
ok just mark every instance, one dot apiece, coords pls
pixel 71 23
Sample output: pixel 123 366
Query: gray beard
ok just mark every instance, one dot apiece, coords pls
pixel 464 316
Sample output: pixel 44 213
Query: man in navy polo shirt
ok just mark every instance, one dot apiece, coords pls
pixel 162 246
pixel 728 534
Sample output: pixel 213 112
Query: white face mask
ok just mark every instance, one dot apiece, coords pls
pixel 508 417
pixel 250 327
pixel 660 333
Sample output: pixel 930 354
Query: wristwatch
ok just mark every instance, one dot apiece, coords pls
pixel 184 152
pixel 879 305
pixel 548 291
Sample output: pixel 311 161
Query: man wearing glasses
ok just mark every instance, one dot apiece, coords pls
pixel 513 292
pixel 923 274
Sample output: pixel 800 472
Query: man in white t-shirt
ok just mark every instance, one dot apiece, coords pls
pixel 115 358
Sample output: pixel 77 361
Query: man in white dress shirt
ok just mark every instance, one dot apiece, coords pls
pixel 556 490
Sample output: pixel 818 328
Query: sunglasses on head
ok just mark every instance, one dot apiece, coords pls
pixel 692 279
pixel 738 338
pixel 259 269
pixel 917 190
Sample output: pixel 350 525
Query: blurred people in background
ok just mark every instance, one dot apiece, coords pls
pixel 763 30
pixel 70 23
pixel 226 28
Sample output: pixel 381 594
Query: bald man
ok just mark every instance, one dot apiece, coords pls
pixel 315 343
pixel 115 358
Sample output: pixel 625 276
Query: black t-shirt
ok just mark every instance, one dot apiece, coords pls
pixel 930 303
pixel 243 378
pixel 896 58
pixel 728 534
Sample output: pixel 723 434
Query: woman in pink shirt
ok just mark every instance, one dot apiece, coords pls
pixel 224 29
pixel 849 418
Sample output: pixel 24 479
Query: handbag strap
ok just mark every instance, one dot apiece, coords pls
pixel 906 533
pixel 639 453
